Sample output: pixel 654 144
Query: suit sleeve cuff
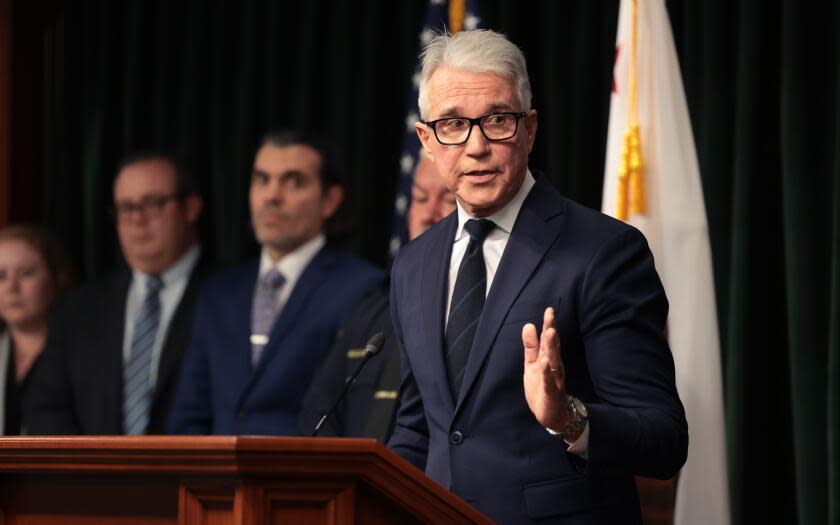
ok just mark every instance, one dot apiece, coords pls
pixel 580 447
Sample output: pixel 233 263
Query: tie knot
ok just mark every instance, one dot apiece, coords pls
pixel 273 279
pixel 153 284
pixel 479 228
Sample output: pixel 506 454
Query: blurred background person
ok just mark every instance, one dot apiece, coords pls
pixel 370 404
pixel 264 327
pixel 114 350
pixel 33 272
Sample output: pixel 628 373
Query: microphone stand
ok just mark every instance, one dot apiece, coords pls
pixel 373 347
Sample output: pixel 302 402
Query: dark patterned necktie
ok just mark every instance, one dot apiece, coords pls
pixel 137 392
pixel 467 303
pixel 263 312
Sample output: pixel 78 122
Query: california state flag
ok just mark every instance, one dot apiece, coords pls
pixel 652 180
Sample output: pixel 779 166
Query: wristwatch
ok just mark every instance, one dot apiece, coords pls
pixel 579 417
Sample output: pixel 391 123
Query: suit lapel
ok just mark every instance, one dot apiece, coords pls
pixel 434 280
pixel 113 330
pixel 177 335
pixel 239 311
pixel 315 273
pixel 533 233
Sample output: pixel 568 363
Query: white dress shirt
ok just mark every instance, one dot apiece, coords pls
pixel 291 266
pixel 175 280
pixel 494 248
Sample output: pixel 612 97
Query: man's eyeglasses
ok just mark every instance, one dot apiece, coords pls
pixel 149 206
pixel 454 131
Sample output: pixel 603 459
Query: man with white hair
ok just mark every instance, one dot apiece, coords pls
pixel 527 425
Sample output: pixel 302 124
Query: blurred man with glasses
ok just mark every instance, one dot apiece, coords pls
pixel 115 345
pixel 536 378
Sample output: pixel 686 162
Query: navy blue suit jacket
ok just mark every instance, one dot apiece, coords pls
pixel 219 391
pixel 486 445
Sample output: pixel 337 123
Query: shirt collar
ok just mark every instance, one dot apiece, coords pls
pixel 504 218
pixel 181 269
pixel 293 264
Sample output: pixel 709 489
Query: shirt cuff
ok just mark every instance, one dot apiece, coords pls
pixel 581 446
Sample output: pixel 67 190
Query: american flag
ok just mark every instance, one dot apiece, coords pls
pixel 452 15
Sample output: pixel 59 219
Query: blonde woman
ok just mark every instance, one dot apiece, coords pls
pixel 33 270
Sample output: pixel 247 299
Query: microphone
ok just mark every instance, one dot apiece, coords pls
pixel 373 347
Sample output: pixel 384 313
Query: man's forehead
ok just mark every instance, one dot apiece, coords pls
pixel 450 90
pixel 428 180
pixel 145 177
pixel 272 158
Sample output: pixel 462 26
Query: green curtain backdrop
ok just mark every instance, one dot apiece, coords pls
pixel 206 78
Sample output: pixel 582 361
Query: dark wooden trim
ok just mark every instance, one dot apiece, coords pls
pixel 221 479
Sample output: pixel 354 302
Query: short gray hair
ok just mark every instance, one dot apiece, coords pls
pixel 481 50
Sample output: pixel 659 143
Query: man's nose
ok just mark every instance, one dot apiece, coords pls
pixel 12 284
pixel 477 144
pixel 274 192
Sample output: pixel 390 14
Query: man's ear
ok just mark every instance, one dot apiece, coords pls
pixel 331 200
pixel 531 127
pixel 192 207
pixel 425 135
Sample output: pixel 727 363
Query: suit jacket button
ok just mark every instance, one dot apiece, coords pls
pixel 456 437
pixel 241 414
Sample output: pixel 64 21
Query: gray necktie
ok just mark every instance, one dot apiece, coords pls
pixel 137 392
pixel 264 311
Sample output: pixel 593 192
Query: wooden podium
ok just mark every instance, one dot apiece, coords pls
pixel 216 480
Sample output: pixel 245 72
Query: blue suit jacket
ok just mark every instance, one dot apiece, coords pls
pixel 219 391
pixel 486 445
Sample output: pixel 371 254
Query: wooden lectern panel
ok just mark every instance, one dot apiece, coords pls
pixel 207 502
pixel 71 500
pixel 215 480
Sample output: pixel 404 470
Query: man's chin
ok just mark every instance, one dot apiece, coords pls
pixel 483 201
pixel 148 264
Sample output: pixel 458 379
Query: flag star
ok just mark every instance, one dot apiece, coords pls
pixel 410 120
pixel 406 164
pixel 395 245
pixel 401 204
pixel 426 35
pixel 471 22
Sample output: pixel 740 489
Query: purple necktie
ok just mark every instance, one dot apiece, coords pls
pixel 264 311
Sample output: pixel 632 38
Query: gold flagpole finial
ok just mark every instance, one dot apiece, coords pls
pixel 457 11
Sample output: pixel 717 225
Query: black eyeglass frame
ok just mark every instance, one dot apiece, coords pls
pixel 477 122
pixel 151 202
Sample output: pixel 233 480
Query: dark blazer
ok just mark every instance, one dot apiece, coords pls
pixel 486 445
pixel 77 383
pixel 369 407
pixel 220 392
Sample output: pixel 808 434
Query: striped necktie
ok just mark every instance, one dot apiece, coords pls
pixel 467 303
pixel 264 310
pixel 137 393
